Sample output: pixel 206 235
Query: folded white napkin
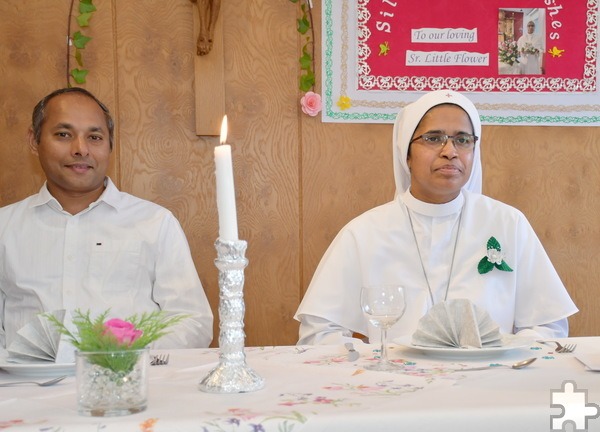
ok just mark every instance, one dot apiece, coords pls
pixel 457 323
pixel 40 342
pixel 590 359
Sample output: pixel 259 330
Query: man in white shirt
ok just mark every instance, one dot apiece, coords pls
pixel 433 238
pixel 80 243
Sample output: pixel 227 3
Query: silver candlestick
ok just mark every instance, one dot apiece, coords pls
pixel 232 375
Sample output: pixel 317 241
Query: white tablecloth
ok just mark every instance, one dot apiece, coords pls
pixel 317 389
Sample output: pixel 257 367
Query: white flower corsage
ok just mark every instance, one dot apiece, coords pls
pixel 493 258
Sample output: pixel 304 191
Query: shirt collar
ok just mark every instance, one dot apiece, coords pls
pixel 110 196
pixel 433 210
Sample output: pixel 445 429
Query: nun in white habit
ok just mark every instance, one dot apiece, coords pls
pixel 432 239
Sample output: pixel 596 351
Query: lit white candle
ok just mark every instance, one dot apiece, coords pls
pixel 228 230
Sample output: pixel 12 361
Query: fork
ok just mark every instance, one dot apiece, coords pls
pixel 41 384
pixel 561 349
pixel 159 360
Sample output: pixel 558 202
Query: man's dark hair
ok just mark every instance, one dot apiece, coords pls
pixel 39 112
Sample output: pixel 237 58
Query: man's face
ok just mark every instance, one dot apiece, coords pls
pixel 74 148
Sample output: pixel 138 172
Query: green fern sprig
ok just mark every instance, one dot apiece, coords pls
pixel 91 336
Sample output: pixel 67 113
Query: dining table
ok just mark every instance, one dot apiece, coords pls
pixel 324 388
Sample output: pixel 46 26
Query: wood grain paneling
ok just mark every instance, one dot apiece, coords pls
pixel 260 101
pixel 32 64
pixel 210 88
pixel 552 174
pixel 346 170
pixel 162 159
pixel 298 181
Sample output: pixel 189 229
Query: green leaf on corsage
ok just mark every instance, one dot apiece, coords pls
pixel 485 265
pixel 493 258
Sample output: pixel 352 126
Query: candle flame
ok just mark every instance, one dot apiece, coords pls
pixel 223 139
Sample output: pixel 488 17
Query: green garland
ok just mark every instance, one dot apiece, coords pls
pixel 307 59
pixel 79 41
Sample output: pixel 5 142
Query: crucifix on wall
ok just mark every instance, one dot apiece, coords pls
pixel 209 67
pixel 208 13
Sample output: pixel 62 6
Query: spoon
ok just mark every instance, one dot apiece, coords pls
pixel 518 365
pixel 41 384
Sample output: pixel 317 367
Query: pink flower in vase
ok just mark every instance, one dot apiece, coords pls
pixel 311 103
pixel 124 331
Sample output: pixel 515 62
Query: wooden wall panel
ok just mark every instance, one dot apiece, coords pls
pixel 164 161
pixel 552 174
pixel 298 181
pixel 161 157
pixel 260 93
pixel 31 65
pixel 346 170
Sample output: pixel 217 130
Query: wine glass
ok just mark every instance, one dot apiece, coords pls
pixel 383 305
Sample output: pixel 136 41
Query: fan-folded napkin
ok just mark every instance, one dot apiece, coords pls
pixel 40 342
pixel 457 323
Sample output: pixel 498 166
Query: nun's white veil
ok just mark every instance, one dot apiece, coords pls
pixel 406 123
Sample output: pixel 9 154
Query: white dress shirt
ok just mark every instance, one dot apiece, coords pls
pixel 122 253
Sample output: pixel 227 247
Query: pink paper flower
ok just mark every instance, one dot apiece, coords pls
pixel 311 103
pixel 124 331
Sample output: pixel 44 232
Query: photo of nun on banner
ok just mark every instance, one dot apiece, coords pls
pixel 521 41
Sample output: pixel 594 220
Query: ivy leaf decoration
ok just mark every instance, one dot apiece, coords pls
pixel 305 60
pixel 77 40
pixel 84 19
pixel 303 24
pixel 78 58
pixel 80 40
pixel 86 6
pixel 79 75
pixel 307 81
pixel 493 258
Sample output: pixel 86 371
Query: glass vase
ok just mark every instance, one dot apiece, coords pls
pixel 112 383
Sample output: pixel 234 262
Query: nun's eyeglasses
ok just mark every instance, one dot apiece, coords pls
pixel 437 140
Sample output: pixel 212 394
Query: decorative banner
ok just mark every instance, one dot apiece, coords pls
pixel 532 65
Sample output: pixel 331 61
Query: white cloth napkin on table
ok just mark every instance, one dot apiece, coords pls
pixel 457 323
pixel 40 342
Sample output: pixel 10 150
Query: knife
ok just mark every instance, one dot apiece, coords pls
pixel 352 353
